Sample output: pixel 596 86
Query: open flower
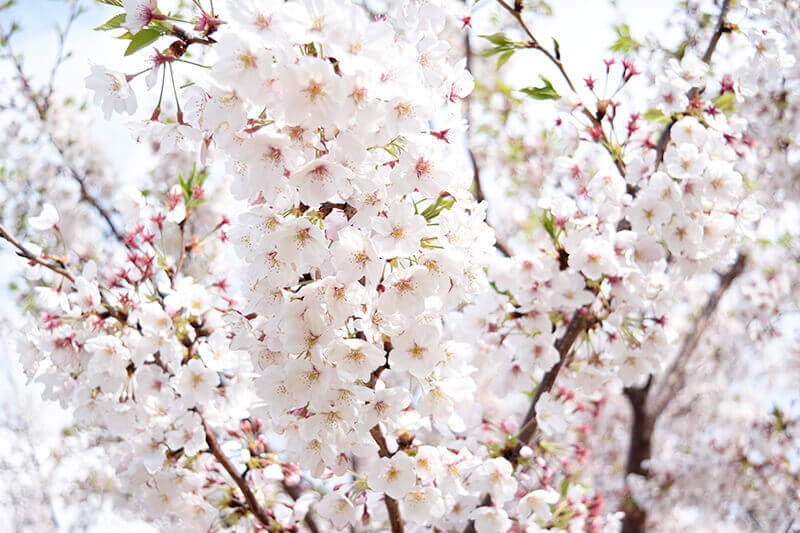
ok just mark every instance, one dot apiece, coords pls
pixel 112 91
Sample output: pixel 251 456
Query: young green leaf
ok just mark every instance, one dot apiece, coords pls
pixel 112 23
pixel 142 39
pixel 498 39
pixel 725 102
pixel 504 57
pixel 654 115
pixel 624 43
pixel 546 92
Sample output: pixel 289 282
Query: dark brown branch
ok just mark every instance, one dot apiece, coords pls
pixel 294 492
pixel 392 507
pixel 581 322
pixel 250 498
pixel 639 451
pixel 720 28
pixel 644 416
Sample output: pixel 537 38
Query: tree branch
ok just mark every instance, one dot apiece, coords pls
pixel 644 418
pixel 534 43
pixel 596 121
pixel 27 254
pixel 85 195
pixel 501 246
pixel 581 321
pixel 639 451
pixel 294 493
pixel 675 374
pixel 392 507
pixel 250 498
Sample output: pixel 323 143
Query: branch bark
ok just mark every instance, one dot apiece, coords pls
pixel 294 493
pixel 392 507
pixel 581 321
pixel 501 246
pixel 252 503
pixel 644 416
pixel 639 451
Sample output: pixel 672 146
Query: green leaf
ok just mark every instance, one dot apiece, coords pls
pixel 546 92
pixel 117 3
pixel 112 23
pixel 495 50
pixel 503 46
pixel 724 102
pixel 504 57
pixel 498 39
pixel 654 115
pixel 624 43
pixel 142 39
pixel 160 26
pixel 780 423
pixel 433 210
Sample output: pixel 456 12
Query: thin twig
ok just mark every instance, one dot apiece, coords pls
pixel 27 254
pixel 41 104
pixel 596 121
pixel 174 274
pixel 534 43
pixel 501 246
pixel 85 195
pixel 74 13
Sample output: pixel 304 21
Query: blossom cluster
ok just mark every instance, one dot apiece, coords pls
pixel 304 319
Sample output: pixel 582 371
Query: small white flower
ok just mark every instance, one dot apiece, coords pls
pixel 537 504
pixel 47 219
pixel 112 91
pixel 551 415
pixel 490 520
pixel 394 476
pixel 138 14
pixel 338 509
